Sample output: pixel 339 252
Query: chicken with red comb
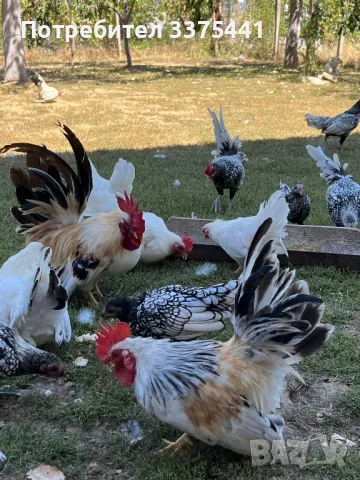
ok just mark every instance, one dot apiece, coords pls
pixel 52 199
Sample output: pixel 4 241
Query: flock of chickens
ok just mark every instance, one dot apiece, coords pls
pixel 81 228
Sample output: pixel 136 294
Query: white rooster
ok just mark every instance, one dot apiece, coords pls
pixel 158 241
pixel 32 298
pixel 235 236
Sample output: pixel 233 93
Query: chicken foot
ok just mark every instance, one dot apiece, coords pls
pixel 216 205
pixel 181 443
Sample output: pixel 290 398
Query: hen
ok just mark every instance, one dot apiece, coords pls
pixel 226 171
pixel 343 194
pixel 18 357
pixel 223 393
pixel 340 126
pixel 174 311
pixel 235 236
pixel 52 199
pixel 32 298
pixel 46 93
pixel 158 241
pixel 299 203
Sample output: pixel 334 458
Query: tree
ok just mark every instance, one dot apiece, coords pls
pixel 15 67
pixel 291 59
pixel 277 26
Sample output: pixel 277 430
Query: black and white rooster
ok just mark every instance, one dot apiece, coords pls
pixel 340 126
pixel 343 195
pixel 227 168
pixel 299 203
pixel 175 311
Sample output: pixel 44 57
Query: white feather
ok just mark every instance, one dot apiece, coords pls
pixel 85 316
pixel 206 269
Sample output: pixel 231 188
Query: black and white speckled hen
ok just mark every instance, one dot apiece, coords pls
pixel 18 357
pixel 299 203
pixel 340 126
pixel 175 311
pixel 226 170
pixel 343 195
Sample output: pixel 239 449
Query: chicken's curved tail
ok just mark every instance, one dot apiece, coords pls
pixel 331 170
pixel 278 209
pixel 225 145
pixel 319 122
pixel 277 317
pixel 50 190
pixel 123 177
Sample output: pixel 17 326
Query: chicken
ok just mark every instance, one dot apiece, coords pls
pixel 224 393
pixel 175 311
pixel 299 203
pixel 52 199
pixel 343 194
pixel 340 126
pixel 235 236
pixel 159 242
pixel 46 93
pixel 18 357
pixel 102 198
pixel 32 298
pixel 226 170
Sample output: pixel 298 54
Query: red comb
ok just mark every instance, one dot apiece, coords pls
pixel 108 337
pixel 127 204
pixel 189 244
pixel 208 170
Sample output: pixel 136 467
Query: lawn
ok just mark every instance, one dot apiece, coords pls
pixel 136 114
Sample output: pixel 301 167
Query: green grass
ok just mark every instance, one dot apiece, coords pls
pixel 117 112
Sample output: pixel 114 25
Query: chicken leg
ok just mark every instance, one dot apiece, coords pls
pixel 92 299
pixel 181 443
pixel 216 205
pixel 97 292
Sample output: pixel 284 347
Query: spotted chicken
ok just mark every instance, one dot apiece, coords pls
pixel 235 236
pixel 343 194
pixel 174 311
pixel 18 357
pixel 52 199
pixel 299 203
pixel 226 170
pixel 339 126
pixel 224 393
pixel 33 300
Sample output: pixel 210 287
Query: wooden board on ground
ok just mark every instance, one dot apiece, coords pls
pixel 306 244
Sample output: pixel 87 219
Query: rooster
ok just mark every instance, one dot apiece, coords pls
pixel 52 199
pixel 235 236
pixel 224 393
pixel 158 241
pixel 343 195
pixel 32 299
pixel 226 170
pixel 174 311
pixel 340 126
pixel 18 357
pixel 299 203
pixel 46 93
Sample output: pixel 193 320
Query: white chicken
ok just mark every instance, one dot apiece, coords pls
pixel 158 241
pixel 32 299
pixel 102 198
pixel 235 236
pixel 47 94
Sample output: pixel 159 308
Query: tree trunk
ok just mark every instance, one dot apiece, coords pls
pixel 340 46
pixel 127 51
pixel 72 40
pixel 15 67
pixel 277 26
pixel 117 22
pixel 291 59
pixel 214 42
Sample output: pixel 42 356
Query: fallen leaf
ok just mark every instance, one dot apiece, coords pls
pixel 45 472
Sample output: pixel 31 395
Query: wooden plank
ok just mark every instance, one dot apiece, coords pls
pixel 306 244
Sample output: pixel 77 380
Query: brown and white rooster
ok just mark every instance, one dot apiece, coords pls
pixel 46 93
pixel 52 198
pixel 225 393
